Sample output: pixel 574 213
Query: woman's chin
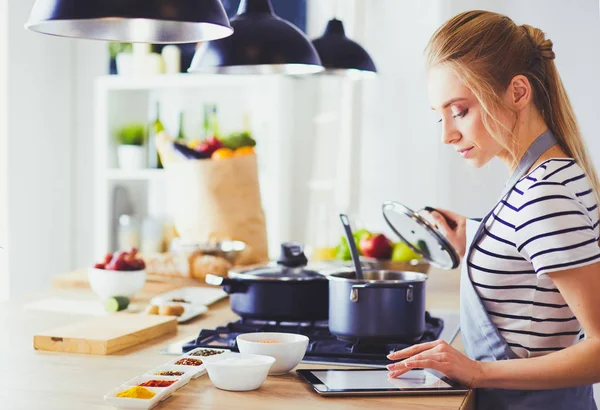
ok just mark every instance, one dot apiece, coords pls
pixel 476 162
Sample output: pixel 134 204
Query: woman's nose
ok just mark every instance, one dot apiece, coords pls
pixel 450 135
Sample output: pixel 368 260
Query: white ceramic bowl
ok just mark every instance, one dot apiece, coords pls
pixel 288 351
pixel 236 371
pixel 108 283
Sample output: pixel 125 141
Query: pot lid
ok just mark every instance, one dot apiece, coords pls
pixel 420 235
pixel 291 266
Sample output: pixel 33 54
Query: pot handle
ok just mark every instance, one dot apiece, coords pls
pixel 229 286
pixel 409 289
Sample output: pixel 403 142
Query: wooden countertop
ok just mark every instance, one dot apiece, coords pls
pixel 44 380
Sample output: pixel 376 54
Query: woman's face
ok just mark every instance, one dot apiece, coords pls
pixel 460 117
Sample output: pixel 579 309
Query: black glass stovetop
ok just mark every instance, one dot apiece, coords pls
pixel 323 347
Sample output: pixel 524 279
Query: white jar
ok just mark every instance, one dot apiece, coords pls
pixel 131 156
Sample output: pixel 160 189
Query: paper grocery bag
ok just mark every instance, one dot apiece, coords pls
pixel 219 200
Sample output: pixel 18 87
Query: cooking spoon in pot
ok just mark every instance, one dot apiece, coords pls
pixel 352 245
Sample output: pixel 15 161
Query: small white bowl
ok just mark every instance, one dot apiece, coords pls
pixel 238 372
pixel 108 283
pixel 288 351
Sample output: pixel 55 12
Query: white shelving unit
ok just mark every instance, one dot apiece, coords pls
pixel 120 100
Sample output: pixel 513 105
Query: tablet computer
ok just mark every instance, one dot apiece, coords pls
pixel 360 382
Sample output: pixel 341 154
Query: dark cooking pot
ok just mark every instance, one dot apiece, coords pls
pixel 385 306
pixel 278 291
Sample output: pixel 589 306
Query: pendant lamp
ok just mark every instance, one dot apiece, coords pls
pixel 135 21
pixel 262 43
pixel 342 56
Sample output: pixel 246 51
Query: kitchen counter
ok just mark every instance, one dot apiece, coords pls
pixel 44 380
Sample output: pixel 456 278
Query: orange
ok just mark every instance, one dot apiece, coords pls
pixel 222 153
pixel 243 151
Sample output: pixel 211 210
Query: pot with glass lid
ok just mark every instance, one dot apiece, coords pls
pixel 380 306
pixel 284 290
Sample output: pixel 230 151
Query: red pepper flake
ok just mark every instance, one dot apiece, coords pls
pixel 189 362
pixel 158 383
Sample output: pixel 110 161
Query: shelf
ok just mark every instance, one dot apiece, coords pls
pixel 117 82
pixel 135 174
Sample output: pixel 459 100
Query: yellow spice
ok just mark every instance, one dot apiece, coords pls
pixel 137 392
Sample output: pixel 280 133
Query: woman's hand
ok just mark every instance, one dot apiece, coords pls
pixel 440 356
pixel 457 235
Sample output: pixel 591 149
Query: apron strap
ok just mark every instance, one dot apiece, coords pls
pixel 481 337
pixel 533 153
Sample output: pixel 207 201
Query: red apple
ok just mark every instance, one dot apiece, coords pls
pixel 376 246
pixel 108 257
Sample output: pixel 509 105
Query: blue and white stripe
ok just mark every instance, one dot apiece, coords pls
pixel 548 222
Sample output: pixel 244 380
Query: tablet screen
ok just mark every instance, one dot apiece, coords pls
pixel 379 380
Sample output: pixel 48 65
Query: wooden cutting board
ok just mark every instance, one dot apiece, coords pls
pixel 106 334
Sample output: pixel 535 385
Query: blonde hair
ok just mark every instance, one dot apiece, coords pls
pixel 486 51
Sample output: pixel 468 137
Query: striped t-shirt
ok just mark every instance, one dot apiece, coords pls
pixel 547 223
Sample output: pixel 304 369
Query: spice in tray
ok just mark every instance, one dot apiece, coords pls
pixel 137 392
pixel 189 362
pixel 158 383
pixel 169 373
pixel 207 352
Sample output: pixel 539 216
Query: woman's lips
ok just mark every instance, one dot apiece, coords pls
pixel 465 152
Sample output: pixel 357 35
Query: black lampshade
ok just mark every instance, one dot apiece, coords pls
pixel 135 21
pixel 340 55
pixel 262 43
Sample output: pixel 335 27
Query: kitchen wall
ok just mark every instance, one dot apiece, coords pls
pixel 38 151
pixel 4 278
pixel 90 61
pixel 402 157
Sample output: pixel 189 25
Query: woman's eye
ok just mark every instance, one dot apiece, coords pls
pixel 461 114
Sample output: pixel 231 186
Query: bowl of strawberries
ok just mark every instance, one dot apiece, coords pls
pixel 121 273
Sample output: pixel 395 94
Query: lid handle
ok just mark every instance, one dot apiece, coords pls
pixel 292 255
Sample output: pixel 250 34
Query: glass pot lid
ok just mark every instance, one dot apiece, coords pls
pixel 291 266
pixel 420 235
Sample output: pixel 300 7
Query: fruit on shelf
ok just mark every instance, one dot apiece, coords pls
pixel 222 153
pixel 376 246
pixel 121 261
pixel 403 253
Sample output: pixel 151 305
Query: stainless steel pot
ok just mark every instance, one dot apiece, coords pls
pixel 385 306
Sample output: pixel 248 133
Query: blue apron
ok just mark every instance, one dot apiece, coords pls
pixel 483 341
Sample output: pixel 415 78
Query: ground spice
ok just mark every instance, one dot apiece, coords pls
pixel 137 392
pixel 158 383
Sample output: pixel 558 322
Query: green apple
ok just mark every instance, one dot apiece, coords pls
pixel 403 253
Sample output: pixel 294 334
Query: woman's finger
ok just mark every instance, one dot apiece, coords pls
pixel 424 364
pixel 441 223
pixel 440 357
pixel 413 350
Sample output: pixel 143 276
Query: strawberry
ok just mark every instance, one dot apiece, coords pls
pixel 99 266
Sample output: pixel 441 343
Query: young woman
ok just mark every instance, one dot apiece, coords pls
pixel 530 286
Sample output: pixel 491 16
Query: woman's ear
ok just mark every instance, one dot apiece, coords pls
pixel 519 92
